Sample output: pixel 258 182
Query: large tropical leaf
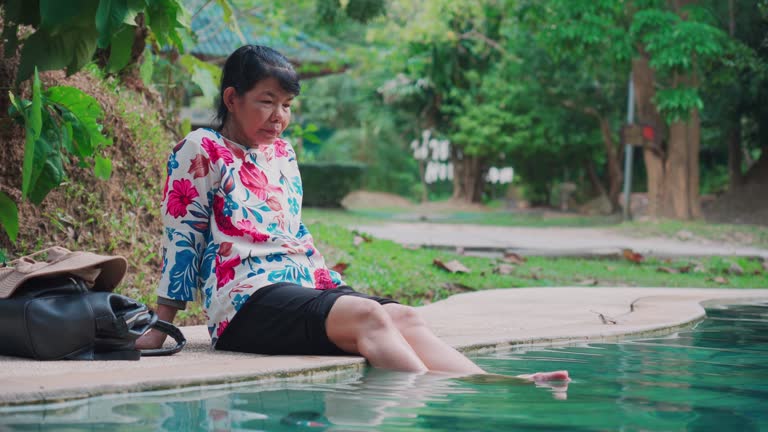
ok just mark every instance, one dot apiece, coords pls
pixel 112 14
pixel 71 48
pixel 33 126
pixel 58 15
pixel 120 50
pixel 87 110
pixel 9 216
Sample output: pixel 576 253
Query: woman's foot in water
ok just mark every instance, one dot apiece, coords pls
pixel 558 377
pixel 542 377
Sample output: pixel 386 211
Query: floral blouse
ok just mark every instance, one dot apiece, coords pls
pixel 232 217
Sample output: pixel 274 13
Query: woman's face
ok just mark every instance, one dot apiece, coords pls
pixel 261 114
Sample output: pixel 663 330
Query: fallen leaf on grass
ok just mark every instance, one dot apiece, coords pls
pixel 633 256
pixel 610 268
pixel 719 279
pixel 366 237
pixel 429 296
pixel 358 240
pixel 513 258
pixel 453 266
pixel 457 287
pixel 735 269
pixel 411 246
pixel 669 270
pixel 699 269
pixel 504 269
pixel 340 267
pixel 588 282
pixel 685 269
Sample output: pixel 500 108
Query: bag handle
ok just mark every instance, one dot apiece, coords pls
pixel 172 331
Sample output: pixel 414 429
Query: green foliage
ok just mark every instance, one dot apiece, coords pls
pixel 67 33
pixel 205 75
pixel 326 184
pixel 676 103
pixel 488 118
pixel 364 10
pixel 58 121
pixel 306 133
pixel 9 216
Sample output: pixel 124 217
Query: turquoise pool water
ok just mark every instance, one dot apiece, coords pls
pixel 712 377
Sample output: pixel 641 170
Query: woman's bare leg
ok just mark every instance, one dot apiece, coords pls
pixel 437 355
pixel 362 326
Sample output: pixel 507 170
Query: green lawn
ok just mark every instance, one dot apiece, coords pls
pixel 386 268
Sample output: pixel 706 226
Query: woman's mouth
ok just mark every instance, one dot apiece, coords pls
pixel 271 132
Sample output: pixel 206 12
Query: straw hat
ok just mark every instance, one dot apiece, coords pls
pixel 100 272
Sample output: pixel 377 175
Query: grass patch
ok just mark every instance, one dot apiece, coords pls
pixel 385 268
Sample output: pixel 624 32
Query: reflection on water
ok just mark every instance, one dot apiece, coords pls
pixel 712 377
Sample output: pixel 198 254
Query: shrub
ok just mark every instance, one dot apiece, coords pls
pixel 326 184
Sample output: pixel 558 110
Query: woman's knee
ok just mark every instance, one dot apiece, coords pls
pixel 360 313
pixel 404 317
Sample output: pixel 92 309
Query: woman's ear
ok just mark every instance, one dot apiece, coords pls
pixel 229 96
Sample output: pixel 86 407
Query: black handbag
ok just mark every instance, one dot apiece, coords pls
pixel 59 317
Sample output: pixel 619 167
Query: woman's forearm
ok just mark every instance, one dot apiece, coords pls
pixel 166 313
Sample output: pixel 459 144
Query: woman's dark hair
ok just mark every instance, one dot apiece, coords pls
pixel 250 64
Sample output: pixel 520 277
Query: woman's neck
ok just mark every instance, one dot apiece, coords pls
pixel 234 133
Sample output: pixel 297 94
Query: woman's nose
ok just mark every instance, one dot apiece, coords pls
pixel 277 114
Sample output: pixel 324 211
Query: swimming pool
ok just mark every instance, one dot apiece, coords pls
pixel 713 376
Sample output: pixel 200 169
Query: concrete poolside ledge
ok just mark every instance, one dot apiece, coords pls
pixel 482 320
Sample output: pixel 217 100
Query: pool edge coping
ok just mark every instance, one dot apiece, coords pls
pixel 350 364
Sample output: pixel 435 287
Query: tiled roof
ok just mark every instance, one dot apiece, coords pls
pixel 216 39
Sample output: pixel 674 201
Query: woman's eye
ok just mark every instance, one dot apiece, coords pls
pixel 267 102
pixel 287 106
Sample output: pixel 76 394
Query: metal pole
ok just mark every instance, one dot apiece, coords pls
pixel 628 150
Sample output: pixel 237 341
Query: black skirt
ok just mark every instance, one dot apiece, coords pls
pixel 286 319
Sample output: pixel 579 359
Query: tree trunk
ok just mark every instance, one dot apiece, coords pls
pixel 682 165
pixel 468 178
pixel 673 173
pixel 644 81
pixel 676 185
pixel 613 158
pixel 594 179
pixel 694 148
pixel 735 156
pixel 423 177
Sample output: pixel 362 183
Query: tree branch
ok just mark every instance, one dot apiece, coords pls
pixel 474 34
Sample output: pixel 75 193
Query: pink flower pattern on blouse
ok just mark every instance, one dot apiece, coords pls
pixel 232 225
pixel 225 270
pixel 217 151
pixel 256 181
pixel 181 196
pixel 323 279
